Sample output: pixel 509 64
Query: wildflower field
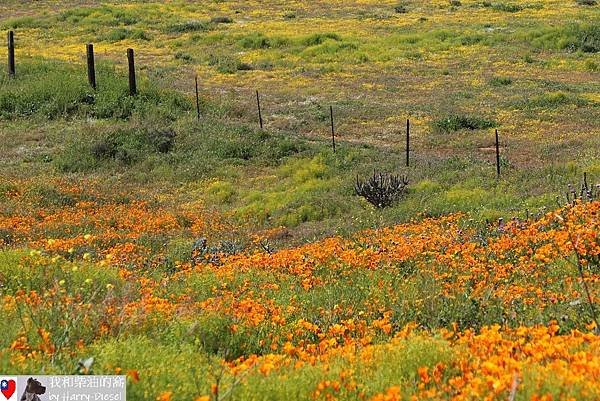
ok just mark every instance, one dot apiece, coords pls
pixel 208 259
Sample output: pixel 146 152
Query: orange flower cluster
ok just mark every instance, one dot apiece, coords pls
pixel 506 268
pixel 25 350
pixel 497 361
pixel 507 265
pixel 112 228
pixel 495 296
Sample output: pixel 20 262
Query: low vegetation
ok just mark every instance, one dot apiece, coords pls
pixel 53 90
pixel 208 258
pixel 381 190
pixel 460 122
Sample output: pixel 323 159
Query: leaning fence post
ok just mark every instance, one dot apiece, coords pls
pixel 407 142
pixel 11 53
pixel 260 120
pixel 132 83
pixel 91 67
pixel 332 128
pixel 497 155
pixel 197 99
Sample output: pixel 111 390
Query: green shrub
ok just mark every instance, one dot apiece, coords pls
pixel 246 144
pixel 401 9
pixel 119 34
pixel 319 38
pixel 501 81
pixel 506 7
pixel 459 122
pixel 189 26
pixel 265 64
pixel 126 147
pixel 200 150
pixel 121 15
pixel 183 56
pixel 329 51
pixel 470 40
pixel 237 150
pixel 255 41
pixel 76 157
pixel 221 20
pixel 284 147
pixel 589 39
pixel 572 37
pixel 227 63
pixel 151 101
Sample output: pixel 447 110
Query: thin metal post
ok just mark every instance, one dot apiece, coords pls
pixel 332 128
pixel 407 142
pixel 260 120
pixel 497 155
pixel 197 100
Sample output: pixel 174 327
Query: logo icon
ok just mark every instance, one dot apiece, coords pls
pixel 8 388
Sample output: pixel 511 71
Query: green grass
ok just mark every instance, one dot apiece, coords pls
pixel 572 37
pixel 306 190
pixel 119 34
pixel 227 63
pixel 24 22
pixel 507 7
pixel 189 26
pixel 105 15
pixel 553 100
pixel 268 177
pixel 255 41
pixel 462 122
pixel 50 90
pixel 501 81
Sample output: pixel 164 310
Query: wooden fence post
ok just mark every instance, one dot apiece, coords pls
pixel 91 67
pixel 132 83
pixel 332 128
pixel 11 53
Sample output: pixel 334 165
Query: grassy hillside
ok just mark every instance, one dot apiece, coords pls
pixel 528 69
pixel 55 126
pixel 209 259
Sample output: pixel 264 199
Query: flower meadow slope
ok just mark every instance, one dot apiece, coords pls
pixel 139 235
pixel 436 309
